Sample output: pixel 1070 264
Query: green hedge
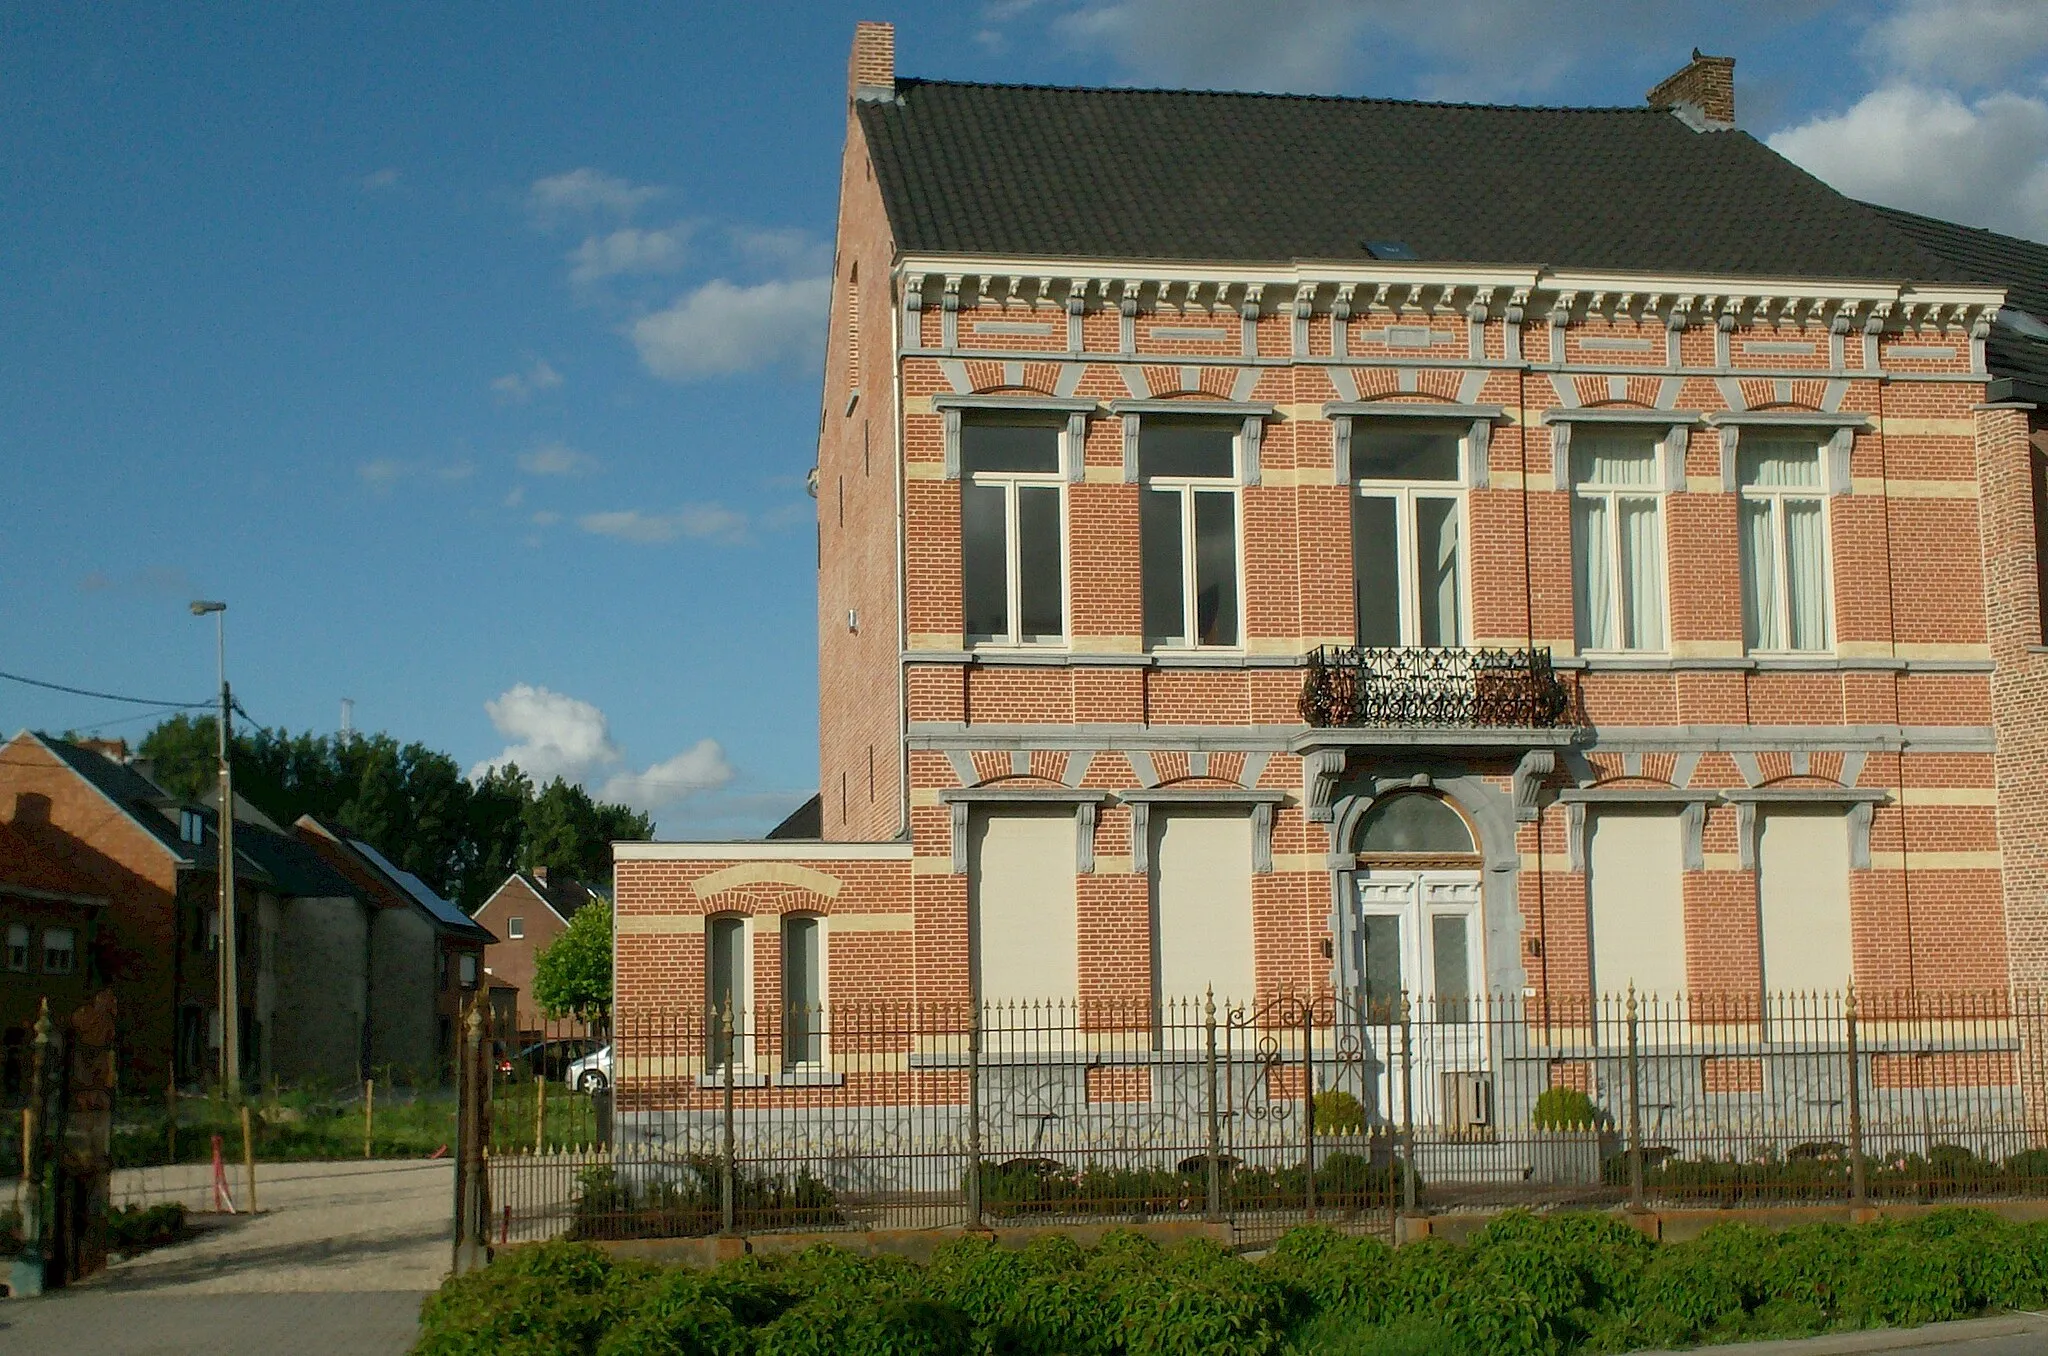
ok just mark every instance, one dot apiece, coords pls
pixel 1025 1187
pixel 1525 1286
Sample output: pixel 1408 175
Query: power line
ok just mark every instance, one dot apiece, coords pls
pixel 103 696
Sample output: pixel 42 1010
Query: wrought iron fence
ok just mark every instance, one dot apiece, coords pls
pixel 1433 686
pixel 1268 1114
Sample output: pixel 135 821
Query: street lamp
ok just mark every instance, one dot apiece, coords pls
pixel 224 868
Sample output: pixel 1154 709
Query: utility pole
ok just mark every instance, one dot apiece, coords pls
pixel 230 987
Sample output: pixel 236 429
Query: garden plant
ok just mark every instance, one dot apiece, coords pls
pixel 1526 1285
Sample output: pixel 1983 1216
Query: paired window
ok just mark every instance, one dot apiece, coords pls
pixel 1408 537
pixel 17 947
pixel 191 826
pixel 1617 540
pixel 1188 532
pixel 803 991
pixel 60 951
pixel 1012 530
pixel 1784 543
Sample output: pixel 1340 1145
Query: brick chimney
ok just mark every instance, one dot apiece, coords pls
pixel 1702 95
pixel 540 876
pixel 871 74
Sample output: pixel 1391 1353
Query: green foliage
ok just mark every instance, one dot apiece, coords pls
pixel 572 977
pixel 1561 1108
pixel 1339 1113
pixel 294 1126
pixel 1525 1285
pixel 687 1202
pixel 410 802
pixel 135 1228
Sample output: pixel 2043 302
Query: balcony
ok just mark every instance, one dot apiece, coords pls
pixel 1429 688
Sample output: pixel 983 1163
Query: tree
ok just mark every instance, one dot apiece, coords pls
pixel 573 976
pixel 408 801
pixel 564 830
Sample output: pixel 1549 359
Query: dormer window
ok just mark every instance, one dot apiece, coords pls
pixel 191 826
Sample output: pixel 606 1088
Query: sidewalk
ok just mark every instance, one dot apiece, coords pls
pixel 337 1261
pixel 2006 1335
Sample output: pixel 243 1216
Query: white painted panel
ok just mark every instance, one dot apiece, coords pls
pixel 1021 888
pixel 1202 905
pixel 1803 883
pixel 1634 892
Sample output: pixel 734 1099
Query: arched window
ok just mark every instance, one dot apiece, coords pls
pixel 1412 822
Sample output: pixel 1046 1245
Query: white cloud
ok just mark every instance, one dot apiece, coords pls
pixel 1443 49
pixel 515 496
pixel 586 192
pixel 520 387
pixel 1967 43
pixel 546 518
pixel 790 249
pixel 628 250
pixel 383 473
pixel 720 329
pixel 555 735
pixel 556 459
pixel 703 521
pixel 387 177
pixel 701 767
pixel 1928 151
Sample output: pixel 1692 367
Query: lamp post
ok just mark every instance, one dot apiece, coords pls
pixel 224 868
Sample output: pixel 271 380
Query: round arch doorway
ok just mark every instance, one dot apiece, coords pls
pixel 1416 892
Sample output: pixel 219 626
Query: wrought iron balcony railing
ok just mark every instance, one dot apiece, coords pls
pixel 1434 687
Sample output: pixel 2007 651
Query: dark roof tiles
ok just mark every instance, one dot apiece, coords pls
pixel 1177 175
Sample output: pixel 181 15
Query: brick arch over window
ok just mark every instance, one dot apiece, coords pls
pixel 739 874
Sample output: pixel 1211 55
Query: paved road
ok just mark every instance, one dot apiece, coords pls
pixel 2008 1335
pixel 337 1261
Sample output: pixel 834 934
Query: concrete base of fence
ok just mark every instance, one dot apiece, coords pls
pixel 1675 1225
pixel 914 1244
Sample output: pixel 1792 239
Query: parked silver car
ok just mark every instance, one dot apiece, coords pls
pixel 592 1073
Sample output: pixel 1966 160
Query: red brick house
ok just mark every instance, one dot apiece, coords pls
pixel 526 913
pixel 50 915
pixel 1276 543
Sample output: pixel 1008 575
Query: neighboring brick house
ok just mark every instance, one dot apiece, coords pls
pixel 423 955
pixel 150 857
pixel 526 913
pixel 50 925
pixel 1275 543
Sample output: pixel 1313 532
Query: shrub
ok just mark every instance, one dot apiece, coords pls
pixel 678 1315
pixel 690 1203
pixel 1338 1113
pixel 542 1300
pixel 132 1228
pixel 1561 1108
pixel 845 1324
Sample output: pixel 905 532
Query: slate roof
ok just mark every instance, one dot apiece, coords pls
pixel 141 799
pixel 444 914
pixel 805 822
pixel 2017 351
pixel 1254 178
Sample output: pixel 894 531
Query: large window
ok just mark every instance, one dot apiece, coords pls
pixel 1407 536
pixel 803 990
pixel 725 976
pixel 1201 867
pixel 17 947
pixel 1802 861
pixel 1187 532
pixel 1784 543
pixel 1635 896
pixel 1617 541
pixel 1012 510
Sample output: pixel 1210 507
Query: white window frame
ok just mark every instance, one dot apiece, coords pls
pixel 515 928
pixel 1186 488
pixel 70 966
pixel 1009 482
pixel 1405 493
pixel 1613 495
pixel 1417 921
pixel 824 1013
pixel 1776 496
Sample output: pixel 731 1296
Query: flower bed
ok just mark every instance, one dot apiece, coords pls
pixel 1526 1285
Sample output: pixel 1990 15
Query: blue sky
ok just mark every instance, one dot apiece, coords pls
pixel 471 352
